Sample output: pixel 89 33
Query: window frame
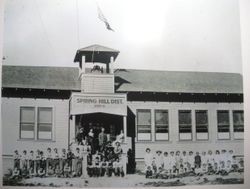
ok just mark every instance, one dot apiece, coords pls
pixel 137 117
pixel 234 111
pixel 20 122
pixel 36 129
pixel 38 123
pixel 191 124
pixel 197 111
pixel 156 124
pixel 229 124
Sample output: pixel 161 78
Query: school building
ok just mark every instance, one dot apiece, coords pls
pixel 162 110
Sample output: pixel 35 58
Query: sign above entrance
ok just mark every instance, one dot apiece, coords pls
pixel 81 103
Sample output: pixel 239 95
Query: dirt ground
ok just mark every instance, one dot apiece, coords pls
pixel 132 181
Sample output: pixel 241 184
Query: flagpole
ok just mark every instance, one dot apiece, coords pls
pixel 77 25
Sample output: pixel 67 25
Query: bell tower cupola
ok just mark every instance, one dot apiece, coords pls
pixel 96 68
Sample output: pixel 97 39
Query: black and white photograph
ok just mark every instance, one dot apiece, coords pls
pixel 122 93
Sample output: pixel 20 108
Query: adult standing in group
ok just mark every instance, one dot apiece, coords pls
pixel 91 140
pixel 102 138
pixel 80 135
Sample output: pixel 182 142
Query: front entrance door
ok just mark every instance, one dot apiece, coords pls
pixel 113 124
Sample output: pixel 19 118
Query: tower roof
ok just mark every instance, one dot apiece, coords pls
pixel 96 53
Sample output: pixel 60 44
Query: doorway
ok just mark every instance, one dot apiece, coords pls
pixel 113 124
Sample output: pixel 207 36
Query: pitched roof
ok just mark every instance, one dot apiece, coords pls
pixel 66 78
pixel 36 77
pixel 98 48
pixel 178 81
pixel 96 53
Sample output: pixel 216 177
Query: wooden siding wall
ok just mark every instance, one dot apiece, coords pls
pixel 101 83
pixel 174 143
pixel 11 124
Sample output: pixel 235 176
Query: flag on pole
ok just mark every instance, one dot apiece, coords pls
pixel 102 18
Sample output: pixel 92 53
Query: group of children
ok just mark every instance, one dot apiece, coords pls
pixel 179 164
pixel 78 160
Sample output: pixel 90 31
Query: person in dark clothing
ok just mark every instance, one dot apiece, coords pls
pixel 131 162
pixel 197 160
pixel 102 139
pixel 149 172
pixel 80 136
pixel 91 140
pixel 70 157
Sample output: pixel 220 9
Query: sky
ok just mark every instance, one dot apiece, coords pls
pixel 174 35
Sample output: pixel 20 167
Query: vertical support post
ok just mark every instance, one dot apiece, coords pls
pixel 125 128
pixel 83 64
pixel 124 154
pixel 72 129
pixel 107 68
pixel 82 71
pixel 84 165
pixel 152 125
pixel 231 125
pixel 193 122
pixel 112 64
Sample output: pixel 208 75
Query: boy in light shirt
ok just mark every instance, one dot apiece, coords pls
pixel 224 156
pixel 58 172
pixel 55 157
pixel 154 166
pixel 210 162
pixel 67 170
pixel 177 160
pixel 37 161
pixel 16 158
pixel 223 168
pixel 166 160
pixel 41 172
pixel 16 174
pixel 24 161
pixel 118 168
pixel 148 158
pixel 31 159
pixel 204 158
pixel 230 155
pixel 63 158
pixel 201 170
pixel 158 160
pixel 184 158
pixel 32 172
pixel 181 170
pixel 50 171
pixel 43 160
pixel 171 161
pixel 235 164
pixel 77 162
pixel 215 169
pixel 210 158
pixel 228 167
pixel 217 158
pixel 191 161
pixel 49 160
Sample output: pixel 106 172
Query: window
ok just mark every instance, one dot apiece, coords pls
pixel 223 124
pixel 238 120
pixel 201 120
pixel 161 125
pixel 185 125
pixel 143 125
pixel 27 123
pixel 44 123
pixel 36 123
